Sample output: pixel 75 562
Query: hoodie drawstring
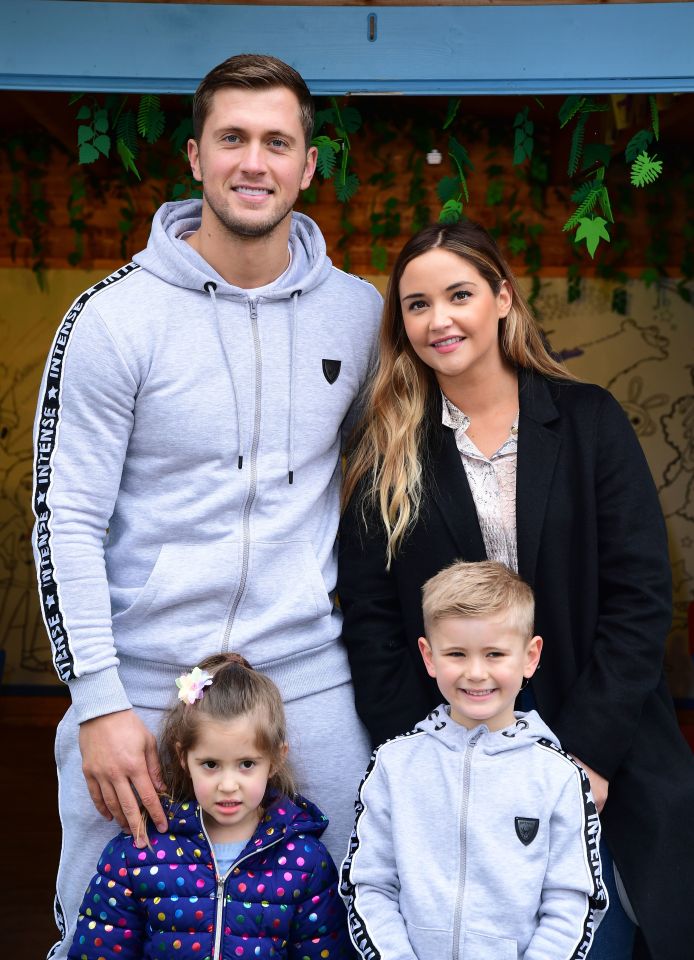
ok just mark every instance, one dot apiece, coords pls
pixel 292 345
pixel 210 288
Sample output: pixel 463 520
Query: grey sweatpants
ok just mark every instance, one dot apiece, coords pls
pixel 329 751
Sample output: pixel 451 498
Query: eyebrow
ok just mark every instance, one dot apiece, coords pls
pixel 451 286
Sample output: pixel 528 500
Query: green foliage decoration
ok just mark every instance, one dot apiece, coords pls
pixel 523 137
pixel 344 119
pixel 592 230
pixel 645 170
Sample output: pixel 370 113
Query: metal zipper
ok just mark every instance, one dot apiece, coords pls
pixel 250 497
pixel 220 883
pixel 462 839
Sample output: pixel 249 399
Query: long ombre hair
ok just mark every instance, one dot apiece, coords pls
pixel 386 458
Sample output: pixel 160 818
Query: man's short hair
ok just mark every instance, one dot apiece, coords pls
pixel 481 590
pixel 253 71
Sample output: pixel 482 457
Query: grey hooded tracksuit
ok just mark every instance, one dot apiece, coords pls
pixel 188 441
pixel 471 845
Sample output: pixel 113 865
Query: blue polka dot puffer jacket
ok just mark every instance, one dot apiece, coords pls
pixel 279 899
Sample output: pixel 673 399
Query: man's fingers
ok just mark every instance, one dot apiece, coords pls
pixel 97 798
pixel 130 809
pixel 113 803
pixel 152 761
pixel 150 801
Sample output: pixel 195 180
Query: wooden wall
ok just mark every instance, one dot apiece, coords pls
pixel 389 156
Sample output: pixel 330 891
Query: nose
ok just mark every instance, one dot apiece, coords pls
pixel 253 158
pixel 228 781
pixel 476 669
pixel 439 318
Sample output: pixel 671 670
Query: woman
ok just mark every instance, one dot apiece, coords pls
pixel 478 445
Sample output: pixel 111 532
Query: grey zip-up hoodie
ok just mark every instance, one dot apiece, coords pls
pixel 188 441
pixel 471 845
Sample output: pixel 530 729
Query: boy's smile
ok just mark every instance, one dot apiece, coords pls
pixel 479 665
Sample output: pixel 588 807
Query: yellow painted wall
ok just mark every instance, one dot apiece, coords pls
pixel 645 358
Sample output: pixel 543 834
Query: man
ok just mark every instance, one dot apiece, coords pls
pixel 188 443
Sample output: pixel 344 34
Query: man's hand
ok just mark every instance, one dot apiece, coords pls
pixel 119 753
pixel 598 785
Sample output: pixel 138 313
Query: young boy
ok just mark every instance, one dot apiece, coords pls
pixel 476 836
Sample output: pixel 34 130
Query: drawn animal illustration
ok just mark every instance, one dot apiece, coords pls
pixel 638 408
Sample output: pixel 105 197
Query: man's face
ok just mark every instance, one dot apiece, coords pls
pixel 252 159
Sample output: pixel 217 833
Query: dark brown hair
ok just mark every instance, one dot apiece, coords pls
pixel 253 71
pixel 237 690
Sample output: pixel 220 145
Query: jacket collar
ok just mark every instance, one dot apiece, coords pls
pixel 538 447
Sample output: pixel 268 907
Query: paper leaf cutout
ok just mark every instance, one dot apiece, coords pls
pixel 451 212
pixel 638 144
pixel 128 158
pixel 453 107
pixel 345 189
pixel 447 188
pixel 592 230
pixel 655 118
pixel 645 170
pixel 569 109
pixel 88 154
pixel 150 118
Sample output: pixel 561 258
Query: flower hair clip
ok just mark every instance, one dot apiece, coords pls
pixel 191 686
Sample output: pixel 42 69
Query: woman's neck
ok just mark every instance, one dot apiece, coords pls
pixel 483 396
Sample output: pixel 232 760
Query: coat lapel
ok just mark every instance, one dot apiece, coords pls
pixel 451 495
pixel 538 446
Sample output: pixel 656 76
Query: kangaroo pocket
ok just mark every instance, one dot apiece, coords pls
pixel 185 600
pixel 480 946
pixel 194 590
pixel 429 943
pixel 285 589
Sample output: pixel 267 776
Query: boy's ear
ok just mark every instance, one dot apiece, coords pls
pixel 425 650
pixel 532 656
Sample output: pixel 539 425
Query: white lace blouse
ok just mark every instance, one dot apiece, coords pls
pixel 492 484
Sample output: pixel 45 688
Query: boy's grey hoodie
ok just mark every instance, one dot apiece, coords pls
pixel 472 845
pixel 188 443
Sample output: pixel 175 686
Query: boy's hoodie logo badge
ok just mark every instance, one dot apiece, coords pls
pixel 526 829
pixel 331 370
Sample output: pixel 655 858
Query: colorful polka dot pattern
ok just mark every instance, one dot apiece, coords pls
pixel 282 901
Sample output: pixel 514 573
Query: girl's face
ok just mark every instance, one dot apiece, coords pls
pixel 451 316
pixel 229 777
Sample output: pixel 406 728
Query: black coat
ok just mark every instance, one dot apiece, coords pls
pixel 592 544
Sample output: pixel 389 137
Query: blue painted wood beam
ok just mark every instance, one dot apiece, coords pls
pixel 167 48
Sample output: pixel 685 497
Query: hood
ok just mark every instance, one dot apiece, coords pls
pixel 282 815
pixel 168 257
pixel 173 260
pixel 526 731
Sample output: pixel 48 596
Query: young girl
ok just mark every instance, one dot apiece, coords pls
pixel 241 873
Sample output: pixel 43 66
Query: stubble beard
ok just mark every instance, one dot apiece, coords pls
pixel 248 229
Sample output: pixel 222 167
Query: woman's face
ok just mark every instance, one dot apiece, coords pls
pixel 451 316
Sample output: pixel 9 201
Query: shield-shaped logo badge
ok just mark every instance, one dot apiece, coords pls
pixel 526 829
pixel 331 370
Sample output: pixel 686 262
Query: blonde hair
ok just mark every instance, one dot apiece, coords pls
pixel 484 590
pixel 387 456
pixel 237 690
